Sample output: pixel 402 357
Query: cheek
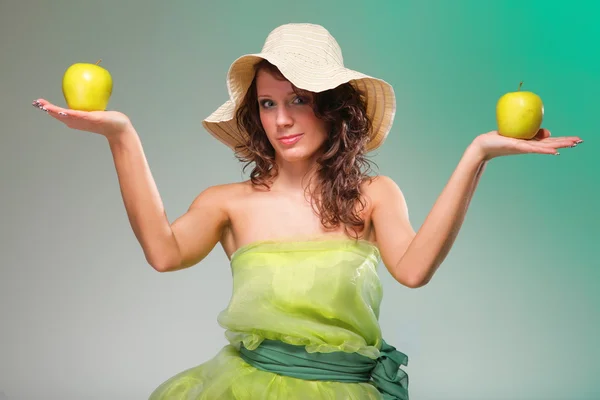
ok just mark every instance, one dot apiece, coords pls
pixel 267 121
pixel 324 129
pixel 310 121
pixel 319 128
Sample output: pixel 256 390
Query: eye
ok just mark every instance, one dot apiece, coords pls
pixel 300 100
pixel 266 103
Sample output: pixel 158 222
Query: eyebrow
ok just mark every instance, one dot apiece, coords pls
pixel 266 95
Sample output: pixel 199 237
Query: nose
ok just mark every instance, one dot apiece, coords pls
pixel 284 117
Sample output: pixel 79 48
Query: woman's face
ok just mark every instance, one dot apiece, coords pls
pixel 289 121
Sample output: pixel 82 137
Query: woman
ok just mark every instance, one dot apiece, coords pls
pixel 305 234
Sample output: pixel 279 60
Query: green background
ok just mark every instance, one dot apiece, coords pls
pixel 514 311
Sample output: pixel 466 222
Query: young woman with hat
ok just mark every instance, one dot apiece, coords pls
pixel 306 232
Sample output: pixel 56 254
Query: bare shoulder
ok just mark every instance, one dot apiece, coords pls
pixel 220 202
pixel 206 222
pixel 383 190
pixel 220 196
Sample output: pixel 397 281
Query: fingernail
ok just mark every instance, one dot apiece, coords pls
pixel 557 154
pixel 574 145
pixel 62 113
pixel 579 141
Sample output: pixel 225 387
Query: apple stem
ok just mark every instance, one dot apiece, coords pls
pixel 98 62
pixel 520 84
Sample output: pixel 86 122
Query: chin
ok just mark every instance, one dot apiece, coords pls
pixel 296 154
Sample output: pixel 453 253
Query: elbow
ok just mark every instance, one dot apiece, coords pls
pixel 163 264
pixel 416 282
pixel 416 276
pixel 160 267
pixel 413 281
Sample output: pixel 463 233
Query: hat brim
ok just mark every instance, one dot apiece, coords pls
pixel 380 96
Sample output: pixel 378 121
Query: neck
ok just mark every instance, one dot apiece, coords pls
pixel 294 176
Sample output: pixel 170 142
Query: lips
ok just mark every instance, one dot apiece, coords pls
pixel 290 139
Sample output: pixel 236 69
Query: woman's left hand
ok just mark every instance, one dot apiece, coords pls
pixel 492 144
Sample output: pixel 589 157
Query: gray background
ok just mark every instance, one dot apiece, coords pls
pixel 512 313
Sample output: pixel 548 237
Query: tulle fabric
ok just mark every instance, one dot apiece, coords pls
pixel 322 294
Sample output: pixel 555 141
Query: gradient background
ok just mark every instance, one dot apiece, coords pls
pixel 513 313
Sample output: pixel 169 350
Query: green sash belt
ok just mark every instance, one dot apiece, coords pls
pixel 294 361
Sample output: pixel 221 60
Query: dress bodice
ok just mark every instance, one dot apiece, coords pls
pixel 324 294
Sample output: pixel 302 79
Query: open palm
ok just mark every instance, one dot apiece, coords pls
pixel 106 123
pixel 493 145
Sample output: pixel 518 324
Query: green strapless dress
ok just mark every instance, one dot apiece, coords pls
pixel 324 295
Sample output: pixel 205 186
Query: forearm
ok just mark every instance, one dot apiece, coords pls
pixel 141 198
pixel 434 239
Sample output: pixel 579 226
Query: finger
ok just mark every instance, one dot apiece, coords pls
pixel 542 133
pixel 545 136
pixel 547 148
pixel 565 141
pixel 53 108
pixel 44 105
pixel 55 111
pixel 539 149
pixel 61 116
pixel 40 104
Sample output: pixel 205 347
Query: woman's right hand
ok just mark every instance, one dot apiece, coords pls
pixel 106 123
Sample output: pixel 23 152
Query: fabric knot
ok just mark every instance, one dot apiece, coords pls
pixel 384 373
pixel 387 375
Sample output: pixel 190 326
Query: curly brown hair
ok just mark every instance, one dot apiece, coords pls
pixel 342 166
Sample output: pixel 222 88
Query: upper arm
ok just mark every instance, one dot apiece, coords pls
pixel 199 230
pixel 391 222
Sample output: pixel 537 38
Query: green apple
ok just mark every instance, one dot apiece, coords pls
pixel 87 87
pixel 519 114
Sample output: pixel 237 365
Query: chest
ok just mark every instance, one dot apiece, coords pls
pixel 271 216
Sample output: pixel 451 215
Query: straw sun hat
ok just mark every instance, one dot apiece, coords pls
pixel 311 59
